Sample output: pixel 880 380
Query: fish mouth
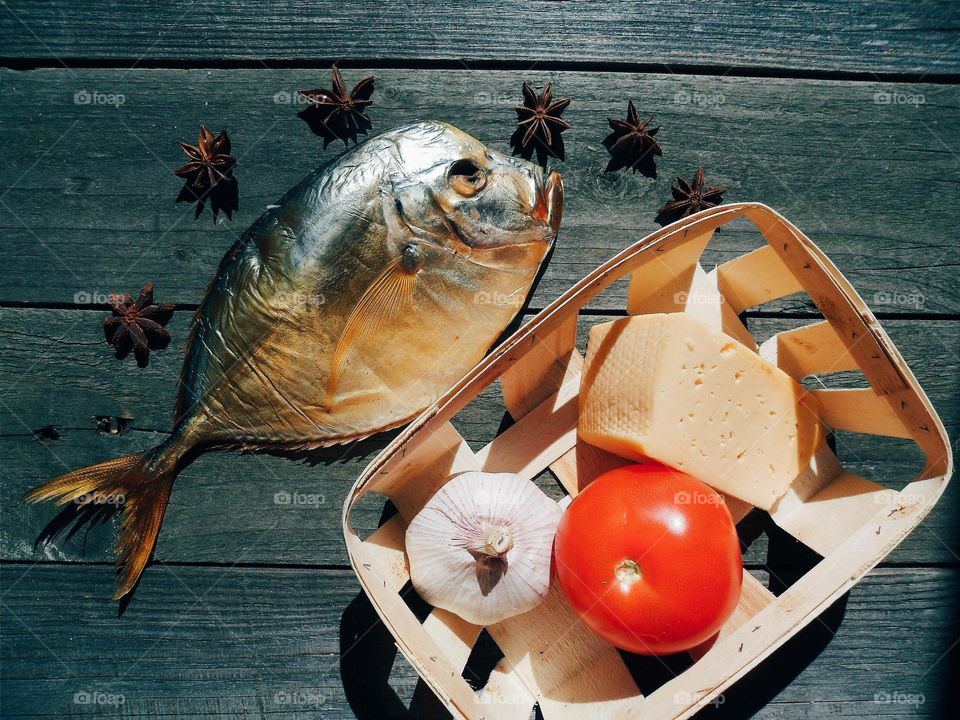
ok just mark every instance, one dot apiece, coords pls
pixel 548 205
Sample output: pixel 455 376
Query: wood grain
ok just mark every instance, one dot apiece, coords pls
pixel 230 508
pixel 825 35
pixel 238 642
pixel 250 611
pixel 87 205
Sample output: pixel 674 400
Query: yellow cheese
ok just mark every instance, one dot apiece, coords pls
pixel 670 388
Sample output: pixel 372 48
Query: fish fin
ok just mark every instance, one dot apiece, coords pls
pixel 321 443
pixel 387 295
pixel 138 484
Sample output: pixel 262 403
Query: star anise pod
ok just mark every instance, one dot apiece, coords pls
pixel 539 125
pixel 632 144
pixel 137 325
pixel 337 114
pixel 209 174
pixel 689 198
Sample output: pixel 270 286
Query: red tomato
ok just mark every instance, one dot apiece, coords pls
pixel 648 556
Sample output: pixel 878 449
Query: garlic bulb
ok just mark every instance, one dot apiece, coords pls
pixel 481 546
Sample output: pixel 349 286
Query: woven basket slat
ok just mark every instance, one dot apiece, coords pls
pixel 549 656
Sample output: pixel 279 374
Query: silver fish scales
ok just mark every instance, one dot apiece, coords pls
pixel 344 310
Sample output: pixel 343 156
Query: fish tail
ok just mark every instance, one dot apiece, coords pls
pixel 138 484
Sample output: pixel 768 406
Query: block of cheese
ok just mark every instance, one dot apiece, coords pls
pixel 668 387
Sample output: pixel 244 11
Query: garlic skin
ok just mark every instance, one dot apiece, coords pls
pixel 482 546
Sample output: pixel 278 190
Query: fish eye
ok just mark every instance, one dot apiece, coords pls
pixel 466 177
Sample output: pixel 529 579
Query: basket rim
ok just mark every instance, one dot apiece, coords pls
pixel 592 282
pixel 934 477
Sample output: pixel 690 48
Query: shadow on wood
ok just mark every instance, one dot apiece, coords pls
pixel 73 518
pixel 367 656
pixel 787 561
pixel 333 454
pixel 759 687
pixel 224 197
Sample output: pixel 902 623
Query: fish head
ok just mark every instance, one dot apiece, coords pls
pixel 372 287
pixel 487 207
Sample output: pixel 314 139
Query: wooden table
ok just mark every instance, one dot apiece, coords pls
pixel 845 116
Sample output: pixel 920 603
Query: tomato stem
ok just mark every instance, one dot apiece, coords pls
pixel 628 571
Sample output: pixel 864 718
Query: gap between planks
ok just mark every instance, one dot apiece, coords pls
pixel 27 63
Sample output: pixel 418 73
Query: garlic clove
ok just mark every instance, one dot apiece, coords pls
pixel 481 547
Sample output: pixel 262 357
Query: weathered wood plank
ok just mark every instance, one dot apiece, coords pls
pixel 87 205
pixel 889 37
pixel 210 642
pixel 227 508
pixel 57 371
pixel 296 643
pixel 60 399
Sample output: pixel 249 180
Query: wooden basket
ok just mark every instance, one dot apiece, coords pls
pixel 549 657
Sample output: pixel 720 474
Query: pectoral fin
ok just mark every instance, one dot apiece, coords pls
pixel 388 295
